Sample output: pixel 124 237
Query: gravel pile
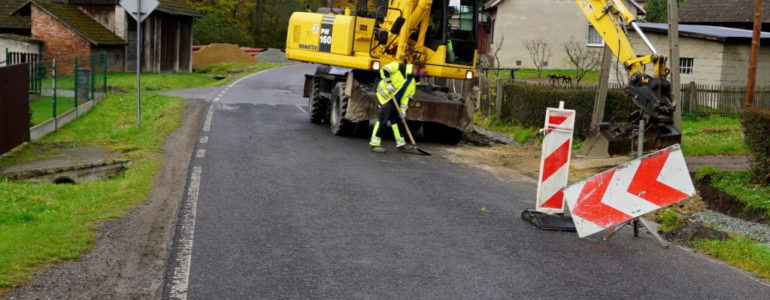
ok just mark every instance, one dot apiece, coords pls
pixel 495 136
pixel 760 232
pixel 273 56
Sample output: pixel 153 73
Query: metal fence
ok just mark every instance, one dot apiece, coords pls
pixel 33 59
pixel 68 83
pixel 14 106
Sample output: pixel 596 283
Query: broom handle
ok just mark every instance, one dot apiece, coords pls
pixel 408 132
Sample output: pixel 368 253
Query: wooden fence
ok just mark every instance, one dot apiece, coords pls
pixel 35 67
pixel 14 106
pixel 697 99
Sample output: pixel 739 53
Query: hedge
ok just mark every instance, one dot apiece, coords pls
pixel 526 104
pixel 756 129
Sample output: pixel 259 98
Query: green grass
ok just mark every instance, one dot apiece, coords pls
pixel 62 83
pixel 42 224
pixel 712 135
pixel 42 108
pixel 518 133
pixel 738 185
pixel 669 220
pixel 740 252
pixel 590 77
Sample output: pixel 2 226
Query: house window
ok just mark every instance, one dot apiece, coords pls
pixel 594 39
pixel 685 65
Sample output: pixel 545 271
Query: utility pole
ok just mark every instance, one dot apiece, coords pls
pixel 752 80
pixel 673 46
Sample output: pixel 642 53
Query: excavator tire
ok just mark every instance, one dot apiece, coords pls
pixel 318 107
pixel 338 124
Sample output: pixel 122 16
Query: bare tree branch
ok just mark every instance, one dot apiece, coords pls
pixel 539 51
pixel 584 59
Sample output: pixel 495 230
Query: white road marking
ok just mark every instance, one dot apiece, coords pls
pixel 207 123
pixel 204 139
pixel 201 153
pixel 300 108
pixel 255 74
pixel 181 277
pixel 216 99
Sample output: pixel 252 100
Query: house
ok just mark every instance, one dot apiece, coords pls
pixel 709 54
pixel 12 43
pixel 13 24
pixel 725 13
pixel 556 22
pixel 70 28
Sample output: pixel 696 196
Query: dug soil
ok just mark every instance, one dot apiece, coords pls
pixel 129 255
pixel 722 202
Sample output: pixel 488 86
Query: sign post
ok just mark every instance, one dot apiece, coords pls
pixel 139 10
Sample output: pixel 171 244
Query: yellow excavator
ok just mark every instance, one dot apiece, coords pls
pixel 351 46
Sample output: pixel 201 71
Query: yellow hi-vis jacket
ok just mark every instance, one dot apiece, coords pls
pixel 396 84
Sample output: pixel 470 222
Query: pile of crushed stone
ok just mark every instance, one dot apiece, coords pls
pixel 220 53
pixel 273 56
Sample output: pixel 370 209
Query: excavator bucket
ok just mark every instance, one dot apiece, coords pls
pixel 652 95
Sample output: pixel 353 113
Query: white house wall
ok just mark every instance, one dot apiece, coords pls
pixel 16 46
pixel 736 69
pixel 708 56
pixel 555 21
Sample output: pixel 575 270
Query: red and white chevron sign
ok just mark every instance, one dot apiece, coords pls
pixel 629 191
pixel 554 159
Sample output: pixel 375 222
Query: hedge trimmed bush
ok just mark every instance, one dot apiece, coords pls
pixel 526 104
pixel 756 128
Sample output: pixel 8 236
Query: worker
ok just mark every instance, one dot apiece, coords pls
pixel 399 82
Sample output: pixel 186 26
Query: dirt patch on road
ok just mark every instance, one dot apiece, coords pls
pixel 129 256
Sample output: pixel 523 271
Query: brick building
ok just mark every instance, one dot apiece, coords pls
pixel 70 28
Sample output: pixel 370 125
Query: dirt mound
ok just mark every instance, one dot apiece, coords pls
pixel 219 53
pixel 691 231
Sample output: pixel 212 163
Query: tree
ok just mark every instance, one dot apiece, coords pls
pixel 583 58
pixel 539 51
pixel 218 29
pixel 657 10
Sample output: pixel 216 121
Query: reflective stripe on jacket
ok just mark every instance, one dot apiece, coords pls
pixel 392 76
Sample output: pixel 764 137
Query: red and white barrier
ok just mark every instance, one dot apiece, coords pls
pixel 629 191
pixel 554 159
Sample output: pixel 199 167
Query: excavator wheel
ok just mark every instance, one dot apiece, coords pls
pixel 338 124
pixel 318 107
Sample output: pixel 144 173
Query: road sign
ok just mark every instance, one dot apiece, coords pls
pixel 629 191
pixel 139 9
pixel 554 159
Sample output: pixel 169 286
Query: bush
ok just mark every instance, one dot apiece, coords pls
pixel 756 128
pixel 526 104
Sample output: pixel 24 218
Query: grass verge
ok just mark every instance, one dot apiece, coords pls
pixel 41 224
pixel 590 77
pixel 42 108
pixel 738 185
pixel 740 252
pixel 712 136
pixel 520 134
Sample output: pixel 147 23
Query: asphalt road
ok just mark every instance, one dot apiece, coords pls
pixel 285 210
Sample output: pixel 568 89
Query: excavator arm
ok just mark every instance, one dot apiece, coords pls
pixel 652 94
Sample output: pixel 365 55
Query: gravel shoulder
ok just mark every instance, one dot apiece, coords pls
pixel 129 254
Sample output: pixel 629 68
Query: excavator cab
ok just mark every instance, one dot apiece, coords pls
pixel 452 24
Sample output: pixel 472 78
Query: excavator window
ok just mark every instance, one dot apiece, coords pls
pixel 453 23
pixel 461 31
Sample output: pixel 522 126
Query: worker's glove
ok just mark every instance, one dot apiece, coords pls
pixel 403 111
pixel 403 115
pixel 391 88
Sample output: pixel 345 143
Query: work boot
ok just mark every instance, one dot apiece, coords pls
pixel 377 149
pixel 406 148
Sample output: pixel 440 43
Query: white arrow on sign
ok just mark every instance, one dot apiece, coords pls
pixel 629 191
pixel 139 9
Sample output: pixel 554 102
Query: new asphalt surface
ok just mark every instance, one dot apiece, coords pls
pixel 286 210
